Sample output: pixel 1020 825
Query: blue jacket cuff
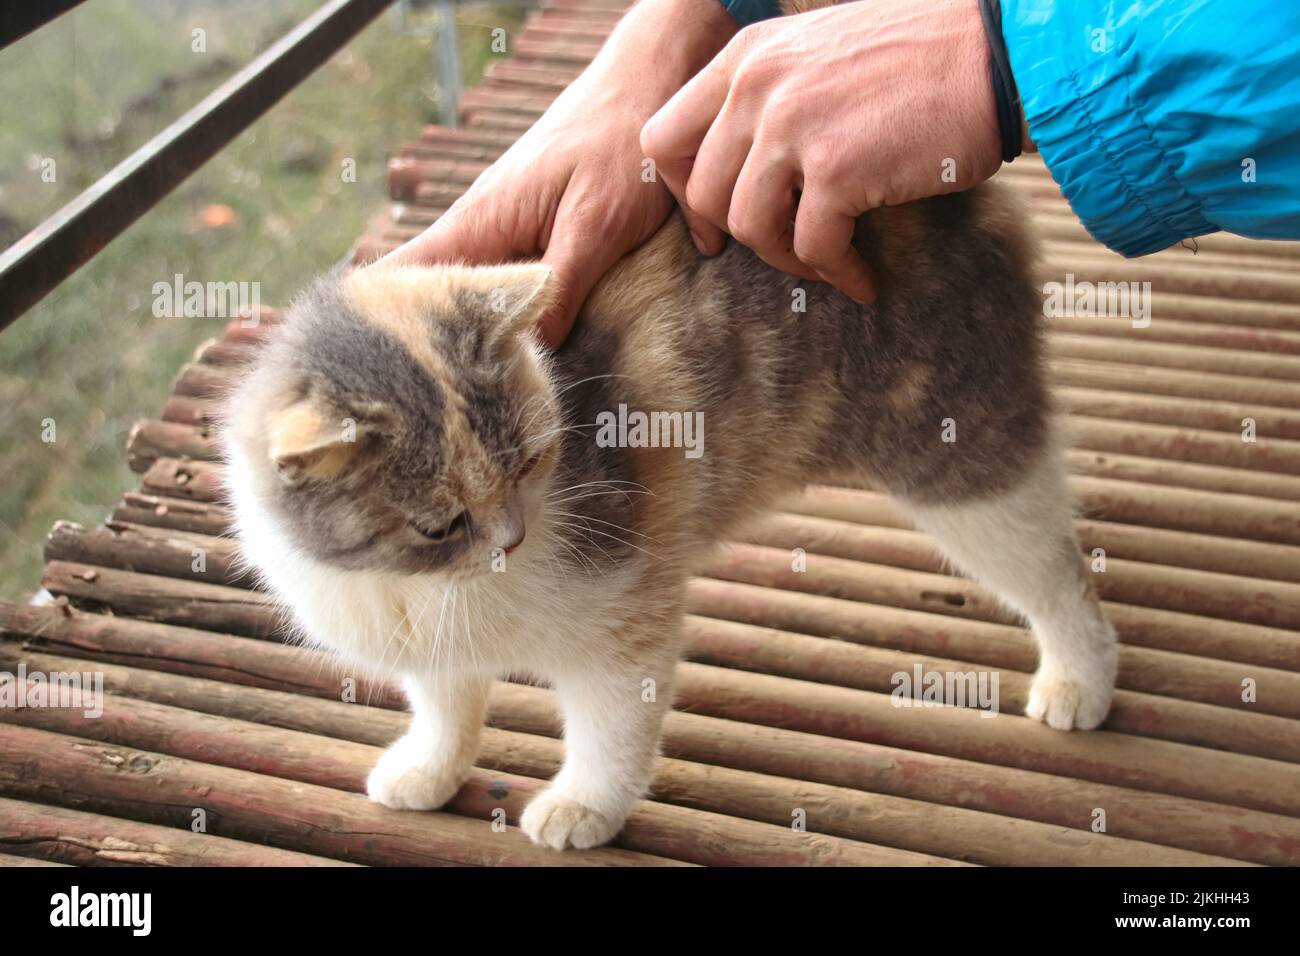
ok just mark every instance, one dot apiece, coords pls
pixel 746 12
pixel 1073 78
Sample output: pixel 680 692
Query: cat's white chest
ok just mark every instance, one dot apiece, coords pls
pixel 520 620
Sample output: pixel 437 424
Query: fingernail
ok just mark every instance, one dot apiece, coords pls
pixel 699 243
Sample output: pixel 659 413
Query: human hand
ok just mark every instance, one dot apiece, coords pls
pixel 572 187
pixel 867 104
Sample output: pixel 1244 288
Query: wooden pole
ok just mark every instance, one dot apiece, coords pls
pixel 122 781
pixel 43 833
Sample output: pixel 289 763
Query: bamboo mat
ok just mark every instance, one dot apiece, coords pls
pixel 220 745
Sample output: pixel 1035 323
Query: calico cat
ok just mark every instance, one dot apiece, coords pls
pixel 426 489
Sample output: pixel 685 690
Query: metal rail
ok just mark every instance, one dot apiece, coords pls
pixel 55 249
pixel 21 17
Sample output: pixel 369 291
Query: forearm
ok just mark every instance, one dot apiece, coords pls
pixel 662 44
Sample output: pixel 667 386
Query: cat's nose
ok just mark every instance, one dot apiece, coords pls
pixel 515 539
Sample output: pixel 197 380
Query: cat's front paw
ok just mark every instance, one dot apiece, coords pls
pixel 558 821
pixel 410 777
pixel 1069 703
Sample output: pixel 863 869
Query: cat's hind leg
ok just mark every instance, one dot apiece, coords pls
pixel 425 768
pixel 1021 545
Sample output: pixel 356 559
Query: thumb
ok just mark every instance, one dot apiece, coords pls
pixel 459 235
pixel 708 238
pixel 579 258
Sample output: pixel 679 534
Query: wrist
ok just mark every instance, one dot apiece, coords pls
pixel 666 42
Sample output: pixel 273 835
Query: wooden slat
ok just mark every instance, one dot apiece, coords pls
pixel 43 833
pixel 8 860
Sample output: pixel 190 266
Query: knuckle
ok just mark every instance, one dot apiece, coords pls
pixel 785 123
pixel 743 231
pixel 752 77
pixel 822 160
pixel 756 71
pixel 781 116
pixel 701 201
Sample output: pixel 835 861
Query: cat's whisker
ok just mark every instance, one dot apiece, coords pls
pixel 582 531
pixel 537 439
pixel 541 407
pixel 539 398
pixel 565 388
pixel 381 668
pixel 617 527
pixel 590 530
pixel 442 638
pixel 625 492
pixel 559 430
pixel 608 481
pixel 583 561
pixel 592 378
pixel 557 569
pixel 570 547
pixel 467 637
pixel 435 646
pixel 413 632
pixel 593 494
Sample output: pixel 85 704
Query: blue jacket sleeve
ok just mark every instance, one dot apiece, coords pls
pixel 1164 119
pixel 751 11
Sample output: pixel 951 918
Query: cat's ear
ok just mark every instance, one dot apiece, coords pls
pixel 305 443
pixel 514 297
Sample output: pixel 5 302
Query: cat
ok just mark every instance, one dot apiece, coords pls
pixel 425 489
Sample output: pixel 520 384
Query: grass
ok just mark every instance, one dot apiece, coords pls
pixel 91 358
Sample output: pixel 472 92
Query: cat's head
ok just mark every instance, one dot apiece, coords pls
pixel 401 418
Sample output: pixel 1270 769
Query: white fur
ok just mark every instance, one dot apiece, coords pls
pixel 1021 545
pixel 448 642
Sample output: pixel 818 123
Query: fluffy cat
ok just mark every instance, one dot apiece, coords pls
pixel 422 486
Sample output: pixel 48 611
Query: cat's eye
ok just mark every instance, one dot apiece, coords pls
pixel 445 533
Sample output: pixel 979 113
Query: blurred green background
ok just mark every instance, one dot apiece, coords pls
pixel 272 207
